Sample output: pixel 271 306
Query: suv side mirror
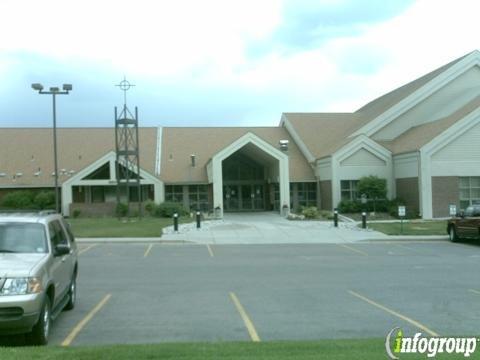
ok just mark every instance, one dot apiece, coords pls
pixel 61 250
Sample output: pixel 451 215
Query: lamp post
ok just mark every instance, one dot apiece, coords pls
pixel 54 91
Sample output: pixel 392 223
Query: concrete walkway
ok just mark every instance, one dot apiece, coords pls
pixel 271 228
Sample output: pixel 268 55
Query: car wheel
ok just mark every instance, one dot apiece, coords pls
pixel 41 330
pixel 72 294
pixel 452 233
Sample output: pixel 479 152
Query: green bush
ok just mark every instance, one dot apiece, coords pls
pixel 310 212
pixel 167 209
pixel 22 199
pixel 326 214
pixel 44 200
pixel 76 213
pixel 349 206
pixel 121 210
pixel 150 207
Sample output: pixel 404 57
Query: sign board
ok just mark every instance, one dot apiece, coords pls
pixel 453 210
pixel 401 211
pixel 363 199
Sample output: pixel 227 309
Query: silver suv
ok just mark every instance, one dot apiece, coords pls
pixel 38 271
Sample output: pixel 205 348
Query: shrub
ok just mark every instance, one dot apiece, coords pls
pixel 121 210
pixel 22 199
pixel 44 200
pixel 349 206
pixel 76 213
pixel 310 212
pixel 150 207
pixel 326 214
pixel 167 209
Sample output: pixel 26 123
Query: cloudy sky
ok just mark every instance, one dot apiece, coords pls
pixel 220 62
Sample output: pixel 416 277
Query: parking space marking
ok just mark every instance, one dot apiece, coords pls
pixel 210 250
pixel 76 330
pixel 353 249
pixel 394 313
pixel 248 323
pixel 148 250
pixel 474 291
pixel 86 249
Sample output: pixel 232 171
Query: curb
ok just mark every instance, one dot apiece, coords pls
pixel 131 241
pixel 411 238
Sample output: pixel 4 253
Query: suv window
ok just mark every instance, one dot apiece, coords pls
pixel 57 235
pixel 66 226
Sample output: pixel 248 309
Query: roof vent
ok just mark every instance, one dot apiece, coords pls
pixel 192 158
pixel 283 145
pixel 3 174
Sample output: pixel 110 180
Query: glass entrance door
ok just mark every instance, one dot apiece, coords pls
pixel 258 197
pixel 231 198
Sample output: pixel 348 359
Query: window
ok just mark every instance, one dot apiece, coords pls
pixel 198 197
pixel 469 191
pixel 174 193
pixel 307 194
pixel 97 194
pixel 57 235
pixel 349 189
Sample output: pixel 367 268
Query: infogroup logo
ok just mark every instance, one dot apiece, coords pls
pixel 396 343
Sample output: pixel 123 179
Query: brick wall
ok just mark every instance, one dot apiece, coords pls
pixel 326 195
pixel 445 192
pixel 407 189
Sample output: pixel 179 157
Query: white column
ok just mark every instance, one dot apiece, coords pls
pixel 284 183
pixel 217 185
pixel 159 193
pixel 66 199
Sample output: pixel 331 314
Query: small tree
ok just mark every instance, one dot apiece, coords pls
pixel 373 187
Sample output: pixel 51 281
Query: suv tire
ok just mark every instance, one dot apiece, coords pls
pixel 72 293
pixel 452 234
pixel 41 330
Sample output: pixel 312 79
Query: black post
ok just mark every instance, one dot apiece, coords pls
pixel 364 220
pixel 335 217
pixel 55 160
pixel 175 222
pixel 198 219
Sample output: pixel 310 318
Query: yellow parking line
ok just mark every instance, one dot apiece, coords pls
pixel 210 250
pixel 474 291
pixel 354 250
pixel 248 323
pixel 148 250
pixel 86 249
pixel 394 313
pixel 76 330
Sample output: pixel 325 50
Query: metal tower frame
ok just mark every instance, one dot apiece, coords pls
pixel 127 150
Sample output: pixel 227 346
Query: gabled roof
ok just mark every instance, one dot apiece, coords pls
pixel 178 143
pixel 26 150
pixel 384 102
pixel 416 137
pixel 325 133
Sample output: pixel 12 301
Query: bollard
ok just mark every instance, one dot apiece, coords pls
pixel 335 217
pixel 198 219
pixel 175 222
pixel 364 220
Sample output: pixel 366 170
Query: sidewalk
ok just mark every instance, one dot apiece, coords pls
pixel 265 228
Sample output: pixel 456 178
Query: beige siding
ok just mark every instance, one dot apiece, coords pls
pixel 363 157
pixel 461 148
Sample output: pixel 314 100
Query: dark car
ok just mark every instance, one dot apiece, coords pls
pixel 466 225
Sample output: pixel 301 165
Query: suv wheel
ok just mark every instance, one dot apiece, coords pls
pixel 72 293
pixel 41 330
pixel 452 233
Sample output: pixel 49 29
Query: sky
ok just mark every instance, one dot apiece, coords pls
pixel 219 62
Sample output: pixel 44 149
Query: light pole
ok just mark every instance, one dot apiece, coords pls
pixel 54 91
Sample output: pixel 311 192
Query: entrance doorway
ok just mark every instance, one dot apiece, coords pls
pixel 244 197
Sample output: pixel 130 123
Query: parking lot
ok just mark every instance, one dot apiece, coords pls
pixel 140 293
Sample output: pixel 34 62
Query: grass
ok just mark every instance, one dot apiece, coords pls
pixel 323 349
pixel 438 227
pixel 113 227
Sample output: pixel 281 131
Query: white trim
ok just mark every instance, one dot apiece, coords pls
pixel 298 140
pixel 349 149
pixel 158 154
pixel 216 167
pixel 419 95
pixel 77 179
pixel 428 150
